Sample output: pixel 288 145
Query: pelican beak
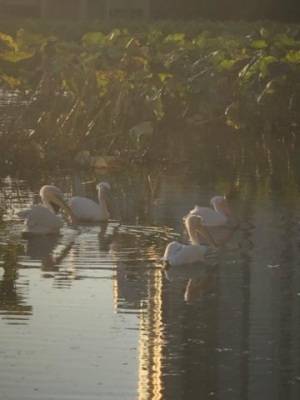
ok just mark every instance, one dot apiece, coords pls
pixel 227 210
pixel 108 199
pixel 104 195
pixel 205 233
pixel 166 265
pixel 61 203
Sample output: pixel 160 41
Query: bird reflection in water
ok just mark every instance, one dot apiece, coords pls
pixel 42 248
pixel 105 238
pixel 195 286
pixel 195 277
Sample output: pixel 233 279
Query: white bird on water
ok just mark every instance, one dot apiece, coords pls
pixel 41 219
pixel 87 210
pixel 179 254
pixel 216 216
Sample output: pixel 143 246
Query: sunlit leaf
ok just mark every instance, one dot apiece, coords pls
pixel 101 78
pixel 204 40
pixel 217 57
pixel 258 44
pixel 154 35
pixel 293 57
pixel 104 77
pixel 164 76
pixel 287 40
pixel 28 39
pixel 176 37
pixel 8 41
pixel 15 56
pixel 10 80
pixel 93 39
pixel 265 62
pixel 227 64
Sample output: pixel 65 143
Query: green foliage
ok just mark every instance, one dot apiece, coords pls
pixel 93 91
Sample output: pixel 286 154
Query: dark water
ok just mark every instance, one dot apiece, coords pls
pixel 90 315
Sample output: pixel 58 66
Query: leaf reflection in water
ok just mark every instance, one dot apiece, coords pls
pixel 13 305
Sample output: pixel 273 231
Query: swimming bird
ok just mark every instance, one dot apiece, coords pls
pixel 216 216
pixel 87 210
pixel 41 219
pixel 179 254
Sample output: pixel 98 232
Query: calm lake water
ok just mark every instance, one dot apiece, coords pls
pixel 90 314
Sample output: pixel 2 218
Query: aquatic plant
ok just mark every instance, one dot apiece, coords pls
pixel 90 93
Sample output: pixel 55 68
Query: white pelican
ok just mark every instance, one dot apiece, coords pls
pixel 178 254
pixel 87 210
pixel 218 216
pixel 41 219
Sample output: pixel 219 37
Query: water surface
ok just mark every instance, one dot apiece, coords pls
pixel 90 314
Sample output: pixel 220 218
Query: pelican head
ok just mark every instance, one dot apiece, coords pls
pixel 104 195
pixel 166 264
pixel 103 186
pixel 173 248
pixel 52 199
pixel 220 205
pixel 195 226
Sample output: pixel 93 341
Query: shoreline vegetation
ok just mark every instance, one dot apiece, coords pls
pixel 97 95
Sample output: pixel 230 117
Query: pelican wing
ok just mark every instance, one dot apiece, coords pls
pixel 40 220
pixel 23 214
pixel 172 250
pixel 178 254
pixel 86 209
pixel 209 216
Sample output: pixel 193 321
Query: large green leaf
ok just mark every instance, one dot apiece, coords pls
pixel 28 39
pixel 176 37
pixel 258 44
pixel 11 81
pixel 15 57
pixel 8 43
pixel 287 40
pixel 265 62
pixel 93 39
pixel 293 57
pixel 227 64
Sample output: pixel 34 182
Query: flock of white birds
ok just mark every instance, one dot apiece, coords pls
pixel 42 219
